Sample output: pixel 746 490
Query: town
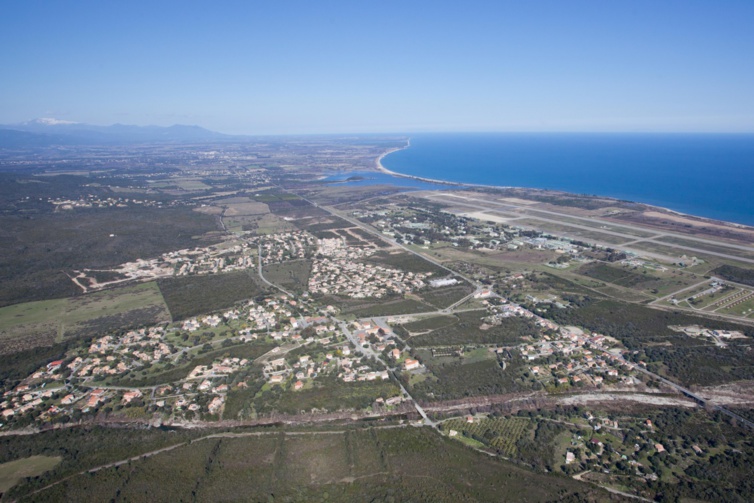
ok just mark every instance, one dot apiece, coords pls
pixel 556 350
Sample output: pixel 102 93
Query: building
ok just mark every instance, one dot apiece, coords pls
pixel 276 379
pixel 411 364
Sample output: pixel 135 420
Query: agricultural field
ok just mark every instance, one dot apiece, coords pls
pixel 291 275
pixel 260 224
pixel 428 324
pixel 83 448
pixel 241 206
pixel 640 279
pixel 339 466
pixel 352 239
pixel 12 472
pixel 470 328
pixel 388 308
pixel 42 323
pixel 241 213
pixel 325 222
pixel 501 433
pixel 456 378
pixel 191 184
pixel 446 296
pixel 617 292
pixel 35 254
pixel 406 261
pixel 327 393
pixel 188 296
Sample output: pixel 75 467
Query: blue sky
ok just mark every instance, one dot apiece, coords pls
pixel 390 66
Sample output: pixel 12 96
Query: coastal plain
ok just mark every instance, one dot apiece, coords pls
pixel 258 321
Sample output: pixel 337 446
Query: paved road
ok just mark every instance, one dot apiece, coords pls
pixel 374 232
pixel 261 276
pixel 480 205
pixel 656 304
pixel 369 352
pixel 610 223
pixel 696 285
pixel 490 206
pixel 478 289
pixel 658 256
pixel 694 396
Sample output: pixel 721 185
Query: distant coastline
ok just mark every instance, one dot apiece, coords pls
pixel 436 181
pixel 381 168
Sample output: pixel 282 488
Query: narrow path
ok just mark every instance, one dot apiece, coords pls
pixel 212 436
pixel 696 285
pixel 261 275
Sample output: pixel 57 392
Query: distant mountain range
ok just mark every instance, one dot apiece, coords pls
pixel 47 132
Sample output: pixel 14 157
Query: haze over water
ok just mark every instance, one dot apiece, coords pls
pixel 710 175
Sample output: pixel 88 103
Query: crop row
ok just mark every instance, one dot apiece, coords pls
pixel 500 433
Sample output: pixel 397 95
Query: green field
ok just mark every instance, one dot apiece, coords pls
pixel 293 275
pixel 390 307
pixel 501 433
pixel 469 330
pixel 188 296
pixel 640 280
pixel 260 224
pixel 13 471
pixel 190 184
pixel 328 393
pixel 457 378
pixel 36 254
pixel 444 297
pixel 684 359
pixel 159 374
pixel 404 464
pixel 41 323
pixel 431 323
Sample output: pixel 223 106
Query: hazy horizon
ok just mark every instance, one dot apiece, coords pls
pixel 388 68
pixel 404 134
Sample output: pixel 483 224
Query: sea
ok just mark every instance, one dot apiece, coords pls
pixel 709 175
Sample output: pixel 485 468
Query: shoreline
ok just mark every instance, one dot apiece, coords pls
pixel 379 166
pixel 384 170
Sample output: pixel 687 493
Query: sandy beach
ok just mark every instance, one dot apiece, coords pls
pixel 383 169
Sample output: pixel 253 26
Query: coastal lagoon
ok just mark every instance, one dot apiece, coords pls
pixel 710 175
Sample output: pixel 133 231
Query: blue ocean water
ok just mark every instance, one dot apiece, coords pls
pixel 710 175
